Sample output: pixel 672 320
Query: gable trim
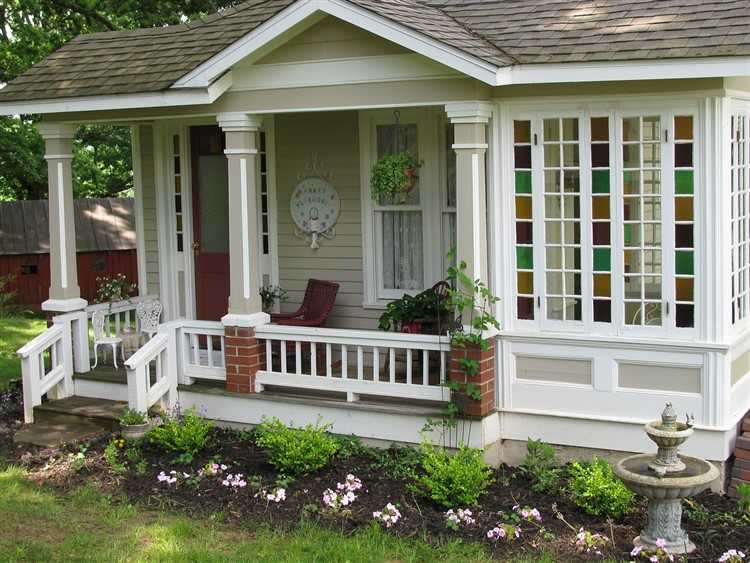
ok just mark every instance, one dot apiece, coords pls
pixel 297 13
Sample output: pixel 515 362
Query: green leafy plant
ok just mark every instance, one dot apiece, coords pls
pixel 270 294
pixel 112 456
pixel 398 462
pixel 539 464
pixel 594 487
pixel 427 309
pixel 393 176
pixel 185 434
pixel 132 417
pixel 296 451
pixel 117 288
pixel 743 499
pixel 453 479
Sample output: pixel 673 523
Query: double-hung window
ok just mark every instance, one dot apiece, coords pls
pixel 604 221
pixel 406 238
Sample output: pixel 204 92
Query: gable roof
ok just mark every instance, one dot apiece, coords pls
pixel 101 225
pixel 501 34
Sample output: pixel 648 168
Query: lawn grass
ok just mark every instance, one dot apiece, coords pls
pixel 85 525
pixel 15 331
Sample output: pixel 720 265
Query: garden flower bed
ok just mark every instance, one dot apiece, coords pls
pixel 359 487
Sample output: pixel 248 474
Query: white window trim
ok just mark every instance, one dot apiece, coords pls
pixel 615 110
pixel 741 326
pixel 429 138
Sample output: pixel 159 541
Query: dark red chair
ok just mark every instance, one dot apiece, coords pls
pixel 320 297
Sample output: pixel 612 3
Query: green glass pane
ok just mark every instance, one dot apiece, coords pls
pixel 600 181
pixel 602 259
pixel 683 181
pixel 525 257
pixel 523 181
pixel 628 234
pixel 684 262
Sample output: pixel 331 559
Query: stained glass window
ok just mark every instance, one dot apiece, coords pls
pixel 684 236
pixel 524 220
pixel 176 174
pixel 601 219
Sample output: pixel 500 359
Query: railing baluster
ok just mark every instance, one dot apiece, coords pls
pixel 313 358
pixel 376 364
pixel 408 366
pixel 283 356
pixel 117 324
pixel 425 367
pixel 344 362
pixel 195 346
pixel 298 357
pixel 392 358
pixel 221 355
pixel 269 355
pixel 210 349
pixel 53 356
pixel 329 366
pixel 442 367
pixel 360 363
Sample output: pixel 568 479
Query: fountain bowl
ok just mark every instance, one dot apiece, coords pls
pixel 639 478
pixel 668 438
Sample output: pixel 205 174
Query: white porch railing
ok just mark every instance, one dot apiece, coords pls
pixel 153 371
pixel 47 367
pixel 357 362
pixel 202 344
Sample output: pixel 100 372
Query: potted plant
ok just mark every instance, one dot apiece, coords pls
pixel 133 424
pixel 394 176
pixel 424 313
pixel 270 294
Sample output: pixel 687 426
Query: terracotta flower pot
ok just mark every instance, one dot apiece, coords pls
pixel 134 431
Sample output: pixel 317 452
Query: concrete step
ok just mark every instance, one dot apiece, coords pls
pixel 71 419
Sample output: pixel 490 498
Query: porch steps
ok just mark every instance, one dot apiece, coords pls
pixel 70 420
pixel 741 469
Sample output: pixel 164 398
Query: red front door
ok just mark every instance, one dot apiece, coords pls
pixel 210 223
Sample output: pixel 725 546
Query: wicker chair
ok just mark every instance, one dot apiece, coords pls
pixel 320 297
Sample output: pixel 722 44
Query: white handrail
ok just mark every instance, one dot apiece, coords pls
pixel 47 366
pixel 203 346
pixel 147 386
pixel 356 362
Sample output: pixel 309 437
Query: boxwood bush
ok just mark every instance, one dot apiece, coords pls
pixel 296 451
pixel 453 479
pixel 594 487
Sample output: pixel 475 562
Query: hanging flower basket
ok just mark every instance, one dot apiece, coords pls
pixel 394 176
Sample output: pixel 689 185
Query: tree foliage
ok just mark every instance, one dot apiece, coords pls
pixel 32 29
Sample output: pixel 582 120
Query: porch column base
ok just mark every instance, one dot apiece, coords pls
pixel 485 380
pixel 244 355
pixel 64 305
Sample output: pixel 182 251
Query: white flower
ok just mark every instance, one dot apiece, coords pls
pixel 390 515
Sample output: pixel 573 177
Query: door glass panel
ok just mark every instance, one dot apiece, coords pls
pixel 214 204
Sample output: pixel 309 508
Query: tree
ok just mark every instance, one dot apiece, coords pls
pixel 32 29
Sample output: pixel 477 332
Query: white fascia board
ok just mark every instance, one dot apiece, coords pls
pixel 624 70
pixel 100 103
pixel 295 14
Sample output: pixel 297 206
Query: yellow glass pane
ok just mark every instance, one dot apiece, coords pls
pixel 684 289
pixel 522 131
pixel 523 207
pixel 683 127
pixel 600 207
pixel 683 208
pixel 177 185
pixel 602 285
pixel 525 283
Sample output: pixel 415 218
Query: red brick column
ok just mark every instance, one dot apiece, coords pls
pixel 485 380
pixel 244 356
pixel 741 470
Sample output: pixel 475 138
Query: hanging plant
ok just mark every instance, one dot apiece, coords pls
pixel 394 176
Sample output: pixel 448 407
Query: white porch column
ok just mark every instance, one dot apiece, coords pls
pixel 470 121
pixel 64 293
pixel 245 307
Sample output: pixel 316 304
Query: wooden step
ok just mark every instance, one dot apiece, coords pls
pixel 69 420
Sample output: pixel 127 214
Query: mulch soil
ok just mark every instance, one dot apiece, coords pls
pixel 710 519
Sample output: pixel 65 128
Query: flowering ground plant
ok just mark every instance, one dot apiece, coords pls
pixel 235 481
pixel 343 496
pixel 589 542
pixel 454 519
pixel 389 516
pixel 504 531
pixel 173 477
pixel 528 513
pixel 658 555
pixel 276 495
pixel 732 556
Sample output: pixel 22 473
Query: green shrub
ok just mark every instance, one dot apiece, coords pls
pixel 594 487
pixel 185 434
pixel 539 464
pixel 743 498
pixel 132 417
pixel 296 451
pixel 453 480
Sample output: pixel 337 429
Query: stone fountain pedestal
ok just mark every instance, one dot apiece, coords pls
pixel 665 478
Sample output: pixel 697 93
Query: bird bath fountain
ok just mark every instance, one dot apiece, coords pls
pixel 665 479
